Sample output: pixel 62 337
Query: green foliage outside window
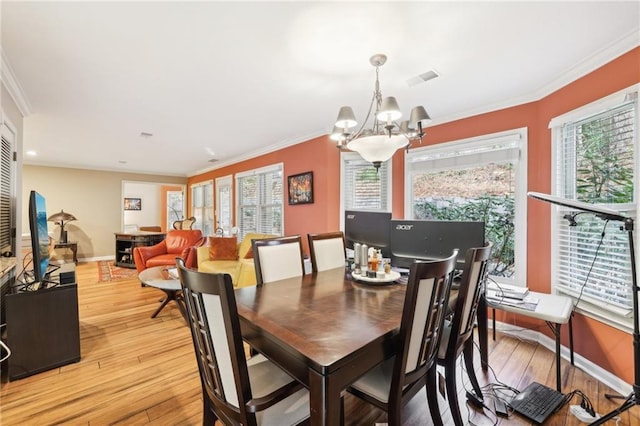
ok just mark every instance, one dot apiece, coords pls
pixel 496 211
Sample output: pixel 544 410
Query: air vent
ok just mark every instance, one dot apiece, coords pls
pixel 213 160
pixel 145 135
pixel 421 78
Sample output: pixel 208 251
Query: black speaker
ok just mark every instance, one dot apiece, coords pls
pixel 68 277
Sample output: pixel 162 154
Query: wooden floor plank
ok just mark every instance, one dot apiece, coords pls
pixel 137 370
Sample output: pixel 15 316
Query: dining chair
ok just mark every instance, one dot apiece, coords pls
pixel 327 250
pixel 458 329
pixel 391 384
pixel 234 390
pixel 277 258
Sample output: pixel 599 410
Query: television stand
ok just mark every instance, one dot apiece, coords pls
pixel 43 328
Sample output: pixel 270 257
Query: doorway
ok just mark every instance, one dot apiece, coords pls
pixel 160 204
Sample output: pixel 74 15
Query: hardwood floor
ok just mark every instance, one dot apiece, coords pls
pixel 139 370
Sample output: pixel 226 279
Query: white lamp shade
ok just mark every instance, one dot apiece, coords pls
pixel 419 114
pixel 337 134
pixel 406 130
pixel 389 110
pixel 378 148
pixel 346 118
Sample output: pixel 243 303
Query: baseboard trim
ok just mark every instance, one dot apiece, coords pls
pixel 581 362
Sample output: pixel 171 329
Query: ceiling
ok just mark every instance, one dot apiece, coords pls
pixel 227 81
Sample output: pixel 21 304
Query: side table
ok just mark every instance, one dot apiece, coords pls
pixel 73 246
pixel 553 309
pixel 158 277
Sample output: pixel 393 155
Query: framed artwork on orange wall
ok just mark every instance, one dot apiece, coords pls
pixel 300 188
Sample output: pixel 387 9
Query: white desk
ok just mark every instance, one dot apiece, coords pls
pixel 552 309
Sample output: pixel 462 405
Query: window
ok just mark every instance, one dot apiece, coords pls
pixel 479 179
pixel 174 207
pixel 595 156
pixel 260 199
pixel 202 207
pixel 7 190
pixel 364 188
pixel 223 204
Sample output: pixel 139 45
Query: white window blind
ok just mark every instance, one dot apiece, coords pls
pixel 596 164
pixel 202 207
pixel 6 194
pixel 260 201
pixel 362 187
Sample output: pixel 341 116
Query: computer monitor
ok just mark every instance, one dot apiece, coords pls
pixel 432 239
pixel 366 227
pixel 39 235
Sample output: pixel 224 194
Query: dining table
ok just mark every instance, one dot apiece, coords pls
pixel 327 329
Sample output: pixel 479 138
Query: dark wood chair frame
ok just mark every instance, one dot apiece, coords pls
pixel 461 334
pixel 324 236
pixel 262 242
pixel 404 385
pixel 195 285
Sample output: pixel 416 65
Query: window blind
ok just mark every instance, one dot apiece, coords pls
pixel 363 187
pixel 497 150
pixel 260 202
pixel 202 207
pixel 6 186
pixel 596 164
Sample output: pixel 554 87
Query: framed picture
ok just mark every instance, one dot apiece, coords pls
pixel 133 203
pixel 301 188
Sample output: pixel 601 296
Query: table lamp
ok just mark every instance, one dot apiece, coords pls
pixel 60 219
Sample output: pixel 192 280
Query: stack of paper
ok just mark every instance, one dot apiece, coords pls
pixel 501 291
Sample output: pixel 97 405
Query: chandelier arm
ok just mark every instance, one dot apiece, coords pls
pixel 366 119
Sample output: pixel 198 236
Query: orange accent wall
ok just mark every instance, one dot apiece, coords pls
pixel 318 155
pixel 605 346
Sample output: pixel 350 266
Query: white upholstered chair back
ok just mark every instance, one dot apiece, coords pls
pixel 278 258
pixel 425 308
pixel 327 251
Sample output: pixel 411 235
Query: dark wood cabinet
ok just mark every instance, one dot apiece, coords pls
pixel 127 241
pixel 43 329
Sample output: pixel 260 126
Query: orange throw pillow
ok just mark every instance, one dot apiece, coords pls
pixel 223 248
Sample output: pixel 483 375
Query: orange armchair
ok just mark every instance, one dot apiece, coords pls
pixel 177 243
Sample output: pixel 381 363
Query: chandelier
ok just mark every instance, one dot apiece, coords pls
pixel 378 142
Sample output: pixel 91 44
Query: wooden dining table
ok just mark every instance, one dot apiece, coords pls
pixel 327 330
pixel 324 329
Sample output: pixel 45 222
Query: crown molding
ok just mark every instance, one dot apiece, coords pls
pixel 598 59
pixel 257 153
pixel 13 86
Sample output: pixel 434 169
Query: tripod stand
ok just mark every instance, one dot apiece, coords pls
pixel 633 398
pixel 609 214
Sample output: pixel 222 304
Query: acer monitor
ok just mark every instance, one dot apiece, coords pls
pixel 432 239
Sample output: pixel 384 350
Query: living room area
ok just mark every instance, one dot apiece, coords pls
pixel 138 370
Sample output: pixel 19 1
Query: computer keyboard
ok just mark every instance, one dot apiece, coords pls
pixel 537 402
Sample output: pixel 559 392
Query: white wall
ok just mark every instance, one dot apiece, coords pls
pixel 150 194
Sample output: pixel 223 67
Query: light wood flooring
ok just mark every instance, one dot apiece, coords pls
pixel 136 370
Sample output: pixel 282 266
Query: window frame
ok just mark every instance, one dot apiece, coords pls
pixel 204 225
pixel 351 156
pixel 519 277
pixel 8 132
pixel 590 307
pixel 223 182
pixel 277 167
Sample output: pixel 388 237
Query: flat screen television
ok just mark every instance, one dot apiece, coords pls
pixel 432 239
pixel 39 235
pixel 370 228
